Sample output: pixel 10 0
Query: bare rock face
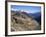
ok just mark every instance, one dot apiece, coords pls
pixel 22 22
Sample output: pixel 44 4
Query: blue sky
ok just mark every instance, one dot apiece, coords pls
pixel 30 9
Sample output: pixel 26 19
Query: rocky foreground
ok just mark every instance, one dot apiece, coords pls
pixel 21 22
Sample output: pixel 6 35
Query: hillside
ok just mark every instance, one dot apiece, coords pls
pixel 20 21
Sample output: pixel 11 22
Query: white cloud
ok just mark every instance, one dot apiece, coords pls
pixel 14 9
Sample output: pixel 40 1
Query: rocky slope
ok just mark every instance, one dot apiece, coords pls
pixel 21 22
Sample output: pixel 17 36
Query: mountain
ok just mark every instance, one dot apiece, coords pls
pixel 20 21
pixel 20 12
pixel 36 16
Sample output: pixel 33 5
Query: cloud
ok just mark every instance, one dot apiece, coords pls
pixel 14 9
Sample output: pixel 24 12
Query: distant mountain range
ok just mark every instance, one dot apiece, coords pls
pixel 36 16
